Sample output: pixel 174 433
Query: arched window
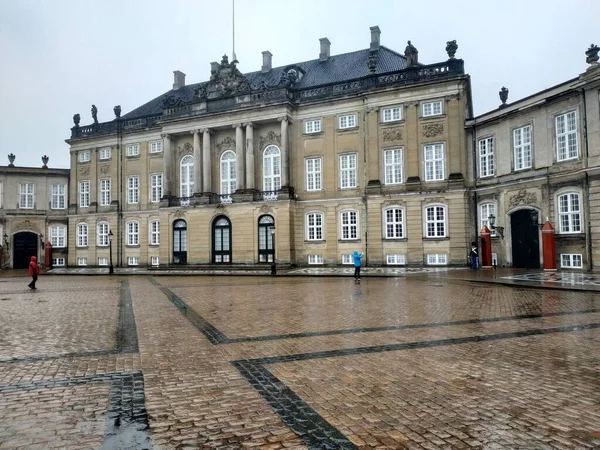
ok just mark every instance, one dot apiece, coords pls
pixel 228 173
pixel 314 226
pixel 266 239
pixel 434 225
pixel 186 176
pixel 221 240
pixel 349 225
pixel 485 211
pixel 133 233
pixel 154 232
pixel 82 234
pixel 180 242
pixel 271 168
pixel 394 223
pixel 103 229
pixel 569 212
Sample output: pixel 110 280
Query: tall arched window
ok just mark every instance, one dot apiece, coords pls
pixel 228 173
pixel 186 176
pixel 271 168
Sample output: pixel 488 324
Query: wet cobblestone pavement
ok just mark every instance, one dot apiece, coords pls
pixel 416 362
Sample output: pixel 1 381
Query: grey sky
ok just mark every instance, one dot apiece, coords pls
pixel 59 57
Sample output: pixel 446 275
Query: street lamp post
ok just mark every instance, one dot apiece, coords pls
pixel 274 264
pixel 492 222
pixel 111 269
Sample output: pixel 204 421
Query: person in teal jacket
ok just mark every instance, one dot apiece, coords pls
pixel 357 264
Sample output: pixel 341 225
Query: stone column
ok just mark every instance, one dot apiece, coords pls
pixel 197 162
pixel 239 156
pixel 206 166
pixel 249 155
pixel 167 165
pixel 285 159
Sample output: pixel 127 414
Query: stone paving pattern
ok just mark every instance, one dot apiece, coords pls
pixel 417 362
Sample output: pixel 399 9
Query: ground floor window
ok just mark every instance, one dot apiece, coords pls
pixel 395 260
pixel 436 259
pixel 347 259
pixel 82 261
pixel 571 261
pixel 103 261
pixel 315 259
pixel 133 261
pixel 57 262
pixel 154 261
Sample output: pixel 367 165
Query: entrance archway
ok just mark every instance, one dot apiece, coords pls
pixel 25 245
pixel 221 248
pixel 525 236
pixel 180 242
pixel 266 240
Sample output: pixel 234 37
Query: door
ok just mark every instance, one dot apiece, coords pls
pixel 525 239
pixel 25 246
pixel 266 239
pixel 221 248
pixel 180 242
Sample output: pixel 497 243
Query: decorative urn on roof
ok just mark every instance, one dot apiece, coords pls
pixel 45 160
pixel 11 159
pixel 117 111
pixel 592 55
pixel 451 47
pixel 503 96
pixel 76 120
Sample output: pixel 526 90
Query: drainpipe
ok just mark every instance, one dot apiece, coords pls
pixel 364 196
pixel 120 195
pixel 474 142
pixel 586 188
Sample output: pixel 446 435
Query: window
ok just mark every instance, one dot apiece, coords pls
pixel 522 145
pixel 186 172
pixel 393 165
pixel 103 230
pixel 156 186
pixel 271 168
pixel 58 236
pixel 313 174
pixel 228 173
pixel 84 194
pixel 82 235
pixel 104 153
pixel 133 149
pixel 315 259
pixel 486 157
pixel 84 156
pixel 312 126
pixel 432 109
pixel 133 233
pixel 1 195
pixel 105 192
pixel 349 225
pixel 133 191
pixel 571 261
pixel 436 259
pixel 154 261
pixel 133 260
pixel 394 223
pixel 154 232
pixel 485 211
pixel 566 136
pixel 314 227
pixel 347 259
pixel 348 121
pixel 82 261
pixel 395 260
pixel 435 221
pixel 569 213
pixel 156 147
pixel 103 261
pixel 58 196
pixel 58 262
pixel 26 195
pixel 391 114
pixel 434 162
pixel 348 171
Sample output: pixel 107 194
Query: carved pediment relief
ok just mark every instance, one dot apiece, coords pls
pixel 180 213
pixel 226 79
pixel 389 203
pixel 105 168
pixel 392 134
pixel 522 198
pixel 25 225
pixel 264 209
pixel 271 138
pixel 84 170
pixel 226 144
pixel 431 130
pixel 185 149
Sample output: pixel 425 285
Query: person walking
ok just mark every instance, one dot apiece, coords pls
pixel 357 264
pixel 34 271
pixel 474 256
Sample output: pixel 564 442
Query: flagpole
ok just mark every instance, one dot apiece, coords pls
pixel 233 58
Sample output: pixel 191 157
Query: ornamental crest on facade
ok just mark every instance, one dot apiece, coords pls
pixel 84 170
pixel 392 134
pixel 522 198
pixel 226 79
pixel 185 149
pixel 105 169
pixel 226 144
pixel 25 225
pixel 270 139
pixel 432 130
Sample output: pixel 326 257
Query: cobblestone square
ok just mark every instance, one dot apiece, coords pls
pixel 433 361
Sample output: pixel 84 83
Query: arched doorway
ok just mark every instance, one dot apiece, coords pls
pixel 525 239
pixel 266 239
pixel 221 247
pixel 180 242
pixel 25 245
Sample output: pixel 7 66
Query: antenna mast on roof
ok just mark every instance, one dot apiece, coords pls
pixel 233 58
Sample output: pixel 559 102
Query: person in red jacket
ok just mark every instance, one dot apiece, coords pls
pixel 34 271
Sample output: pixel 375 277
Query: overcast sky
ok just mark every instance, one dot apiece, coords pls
pixel 59 57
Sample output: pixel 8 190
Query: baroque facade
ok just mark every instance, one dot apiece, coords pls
pixel 301 164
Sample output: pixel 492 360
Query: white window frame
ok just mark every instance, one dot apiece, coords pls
pixel 347 259
pixel 391 114
pixel 523 148
pixel 349 229
pixel 348 170
pixel 347 121
pixel 314 167
pixel 104 190
pixel 567 147
pixel 103 261
pixel 434 162
pixel 58 236
pixel 133 260
pixel 186 176
pixel 393 162
pixel 437 259
pixel 156 187
pixel 59 196
pixel 569 219
pixel 26 195
pixel 155 146
pixel 132 149
pixel 228 172
pixel 392 225
pixel 315 259
pixel 430 225
pixel 85 156
pixel 133 232
pixel 486 157
pixel 571 261
pixel 102 230
pixel 271 168
pixel 312 126
pixel 82 234
pixel 133 190
pixel 82 261
pixel 397 259
pixel 154 232
pixel 430 109
pixel 155 261
pixel 104 153
pixel 485 211
pixel 84 194
pixel 58 262
pixel 314 226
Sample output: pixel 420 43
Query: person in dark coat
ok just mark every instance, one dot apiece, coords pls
pixel 474 256
pixel 34 271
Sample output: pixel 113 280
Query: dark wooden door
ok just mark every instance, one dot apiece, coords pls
pixel 525 239
pixel 180 242
pixel 25 246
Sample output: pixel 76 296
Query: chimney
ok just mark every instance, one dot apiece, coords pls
pixel 178 79
pixel 267 61
pixel 325 44
pixel 375 33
